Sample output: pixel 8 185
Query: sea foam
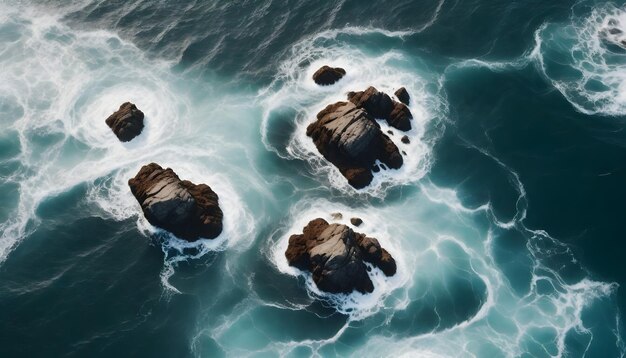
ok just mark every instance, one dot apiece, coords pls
pixel 586 59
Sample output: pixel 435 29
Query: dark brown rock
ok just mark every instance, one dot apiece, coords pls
pixel 189 211
pixel 335 255
pixel 356 221
pixel 126 122
pixel 402 95
pixel 351 139
pixel 400 117
pixel 327 75
pixel 376 255
pixel 380 105
pixel 405 139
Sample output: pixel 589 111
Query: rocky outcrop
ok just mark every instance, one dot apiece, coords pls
pixel 189 211
pixel 380 105
pixel 350 138
pixel 327 75
pixel 334 254
pixel 126 122
pixel 402 95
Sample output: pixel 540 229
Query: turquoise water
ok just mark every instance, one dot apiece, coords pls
pixel 506 219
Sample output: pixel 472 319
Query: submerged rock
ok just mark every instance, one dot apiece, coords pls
pixel 351 139
pixel 380 105
pixel 126 122
pixel 402 95
pixel 334 254
pixel 189 211
pixel 327 75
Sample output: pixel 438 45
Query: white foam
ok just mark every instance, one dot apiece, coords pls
pixel 585 61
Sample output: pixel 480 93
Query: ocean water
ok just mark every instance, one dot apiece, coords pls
pixel 506 220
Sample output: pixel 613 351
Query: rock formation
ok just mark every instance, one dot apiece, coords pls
pixel 189 211
pixel 381 106
pixel 126 122
pixel 351 139
pixel 327 75
pixel 334 254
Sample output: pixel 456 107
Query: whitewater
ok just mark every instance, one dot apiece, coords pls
pixel 471 282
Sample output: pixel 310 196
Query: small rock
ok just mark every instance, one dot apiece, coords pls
pixel 126 122
pixel 327 75
pixel 336 216
pixel 405 140
pixel 403 95
pixel 356 221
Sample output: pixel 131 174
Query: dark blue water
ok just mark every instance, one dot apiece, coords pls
pixel 506 221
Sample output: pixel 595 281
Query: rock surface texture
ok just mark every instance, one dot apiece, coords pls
pixel 189 211
pixel 335 256
pixel 126 122
pixel 327 75
pixel 350 138
pixel 402 95
pixel 380 105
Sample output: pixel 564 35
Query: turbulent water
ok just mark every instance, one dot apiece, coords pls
pixel 506 219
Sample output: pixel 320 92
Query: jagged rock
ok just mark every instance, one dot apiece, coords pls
pixel 187 210
pixel 400 117
pixel 405 140
pixel 327 75
pixel 126 122
pixel 402 95
pixel 351 139
pixel 335 255
pixel 380 105
pixel 356 221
